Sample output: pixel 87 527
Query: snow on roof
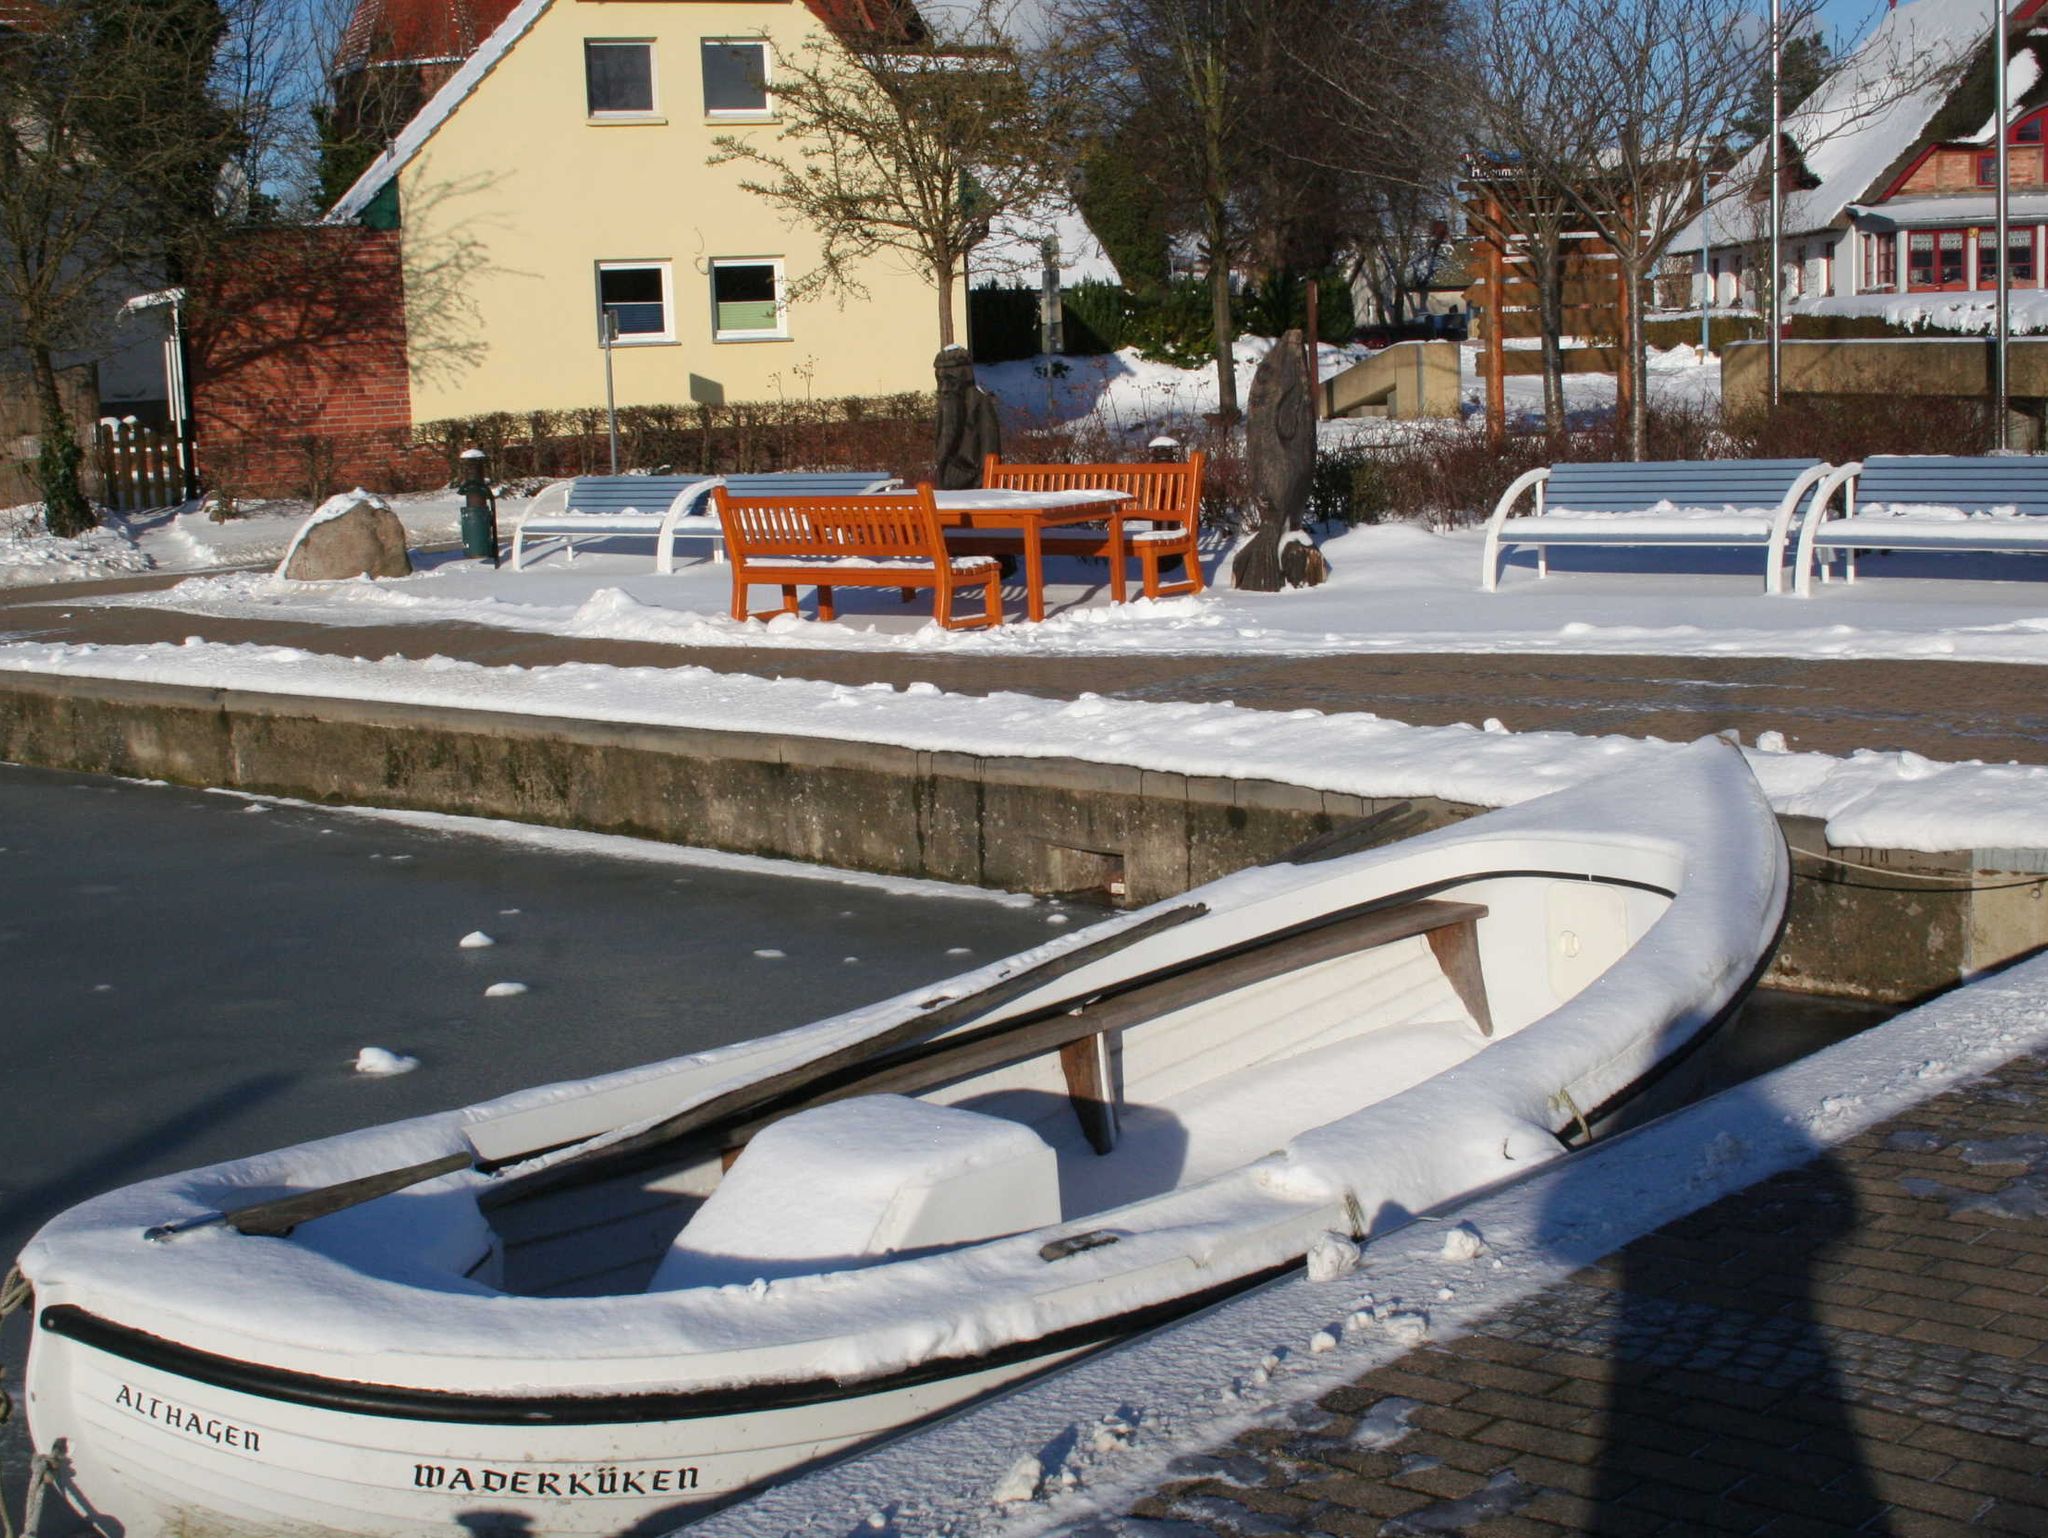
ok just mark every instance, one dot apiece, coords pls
pixel 1011 254
pixel 1904 213
pixel 1851 131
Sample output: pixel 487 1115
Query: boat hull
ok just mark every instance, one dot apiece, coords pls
pixel 1307 1047
pixel 156 1454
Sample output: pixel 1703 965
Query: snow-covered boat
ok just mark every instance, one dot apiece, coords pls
pixel 592 1307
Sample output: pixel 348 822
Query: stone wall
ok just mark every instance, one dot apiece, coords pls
pixel 1883 926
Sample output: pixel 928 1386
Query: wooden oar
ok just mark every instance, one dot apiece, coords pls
pixel 1382 827
pixel 281 1215
pixel 761 1093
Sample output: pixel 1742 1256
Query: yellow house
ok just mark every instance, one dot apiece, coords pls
pixel 556 186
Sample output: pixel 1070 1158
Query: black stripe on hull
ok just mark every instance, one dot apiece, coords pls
pixel 439 1405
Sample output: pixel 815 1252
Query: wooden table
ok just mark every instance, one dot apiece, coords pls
pixel 1031 513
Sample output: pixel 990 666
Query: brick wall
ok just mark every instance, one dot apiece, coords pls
pixel 299 382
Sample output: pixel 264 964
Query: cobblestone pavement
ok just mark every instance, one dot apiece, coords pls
pixel 1860 1345
pixel 1944 710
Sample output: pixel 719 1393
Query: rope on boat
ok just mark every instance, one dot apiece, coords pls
pixel 1946 883
pixel 41 1475
pixel 14 1292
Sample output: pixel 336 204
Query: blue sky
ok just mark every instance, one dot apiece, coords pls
pixel 1847 21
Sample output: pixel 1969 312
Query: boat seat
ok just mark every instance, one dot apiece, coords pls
pixel 849 1183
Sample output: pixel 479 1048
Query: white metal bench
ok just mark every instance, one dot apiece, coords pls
pixel 665 508
pixel 1669 503
pixel 1996 504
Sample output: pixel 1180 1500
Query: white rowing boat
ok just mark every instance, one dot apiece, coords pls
pixel 594 1306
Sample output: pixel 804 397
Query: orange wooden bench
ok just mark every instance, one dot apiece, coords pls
pixel 1169 496
pixel 859 541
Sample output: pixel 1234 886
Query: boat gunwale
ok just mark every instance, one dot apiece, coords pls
pixel 602 1164
pixel 73 1322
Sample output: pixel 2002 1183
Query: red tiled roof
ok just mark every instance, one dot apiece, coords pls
pixel 414 31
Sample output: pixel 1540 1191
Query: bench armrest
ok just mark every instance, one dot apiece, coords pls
pixel 1781 525
pixel 665 537
pixel 1842 478
pixel 533 509
pixel 1489 565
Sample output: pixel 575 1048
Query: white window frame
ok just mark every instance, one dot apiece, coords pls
pixel 666 268
pixel 781 331
pixel 765 113
pixel 648 114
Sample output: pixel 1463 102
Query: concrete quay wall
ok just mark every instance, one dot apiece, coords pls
pixel 1895 929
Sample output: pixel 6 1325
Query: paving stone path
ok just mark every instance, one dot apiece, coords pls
pixel 1951 711
pixel 1859 1345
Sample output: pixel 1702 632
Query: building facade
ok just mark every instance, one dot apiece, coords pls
pixel 558 185
pixel 1890 172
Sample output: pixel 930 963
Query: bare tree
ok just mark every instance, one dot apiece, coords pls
pixel 906 138
pixel 111 148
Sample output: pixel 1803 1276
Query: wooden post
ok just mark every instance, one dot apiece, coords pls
pixel 1496 354
pixel 160 471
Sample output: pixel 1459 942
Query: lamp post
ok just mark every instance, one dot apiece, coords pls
pixel 608 333
pixel 1706 271
pixel 2001 385
pixel 1777 277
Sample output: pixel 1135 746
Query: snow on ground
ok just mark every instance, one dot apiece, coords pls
pixel 1134 397
pixel 1103 1434
pixel 187 539
pixel 1395 588
pixel 1880 800
pixel 30 554
pixel 1937 314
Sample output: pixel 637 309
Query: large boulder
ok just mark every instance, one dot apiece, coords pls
pixel 352 535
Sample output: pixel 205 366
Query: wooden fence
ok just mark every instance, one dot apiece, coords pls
pixel 137 466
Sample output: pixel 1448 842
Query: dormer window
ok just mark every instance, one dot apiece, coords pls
pixel 2028 132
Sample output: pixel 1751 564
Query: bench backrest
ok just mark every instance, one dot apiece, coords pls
pixel 1972 484
pixel 1634 486
pixel 655 493
pixel 1162 492
pixel 869 527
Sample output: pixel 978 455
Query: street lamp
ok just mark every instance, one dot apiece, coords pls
pixel 2001 383
pixel 1777 302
